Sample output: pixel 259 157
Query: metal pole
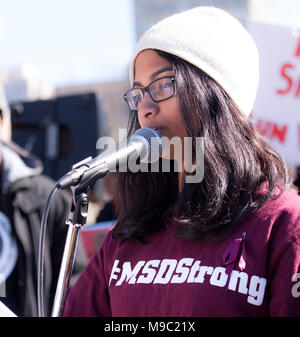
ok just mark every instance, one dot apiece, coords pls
pixel 75 225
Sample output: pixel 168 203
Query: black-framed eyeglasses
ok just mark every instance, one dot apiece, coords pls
pixel 159 90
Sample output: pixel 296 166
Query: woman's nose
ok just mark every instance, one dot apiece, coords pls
pixel 147 107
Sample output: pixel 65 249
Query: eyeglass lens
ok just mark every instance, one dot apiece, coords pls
pixel 159 90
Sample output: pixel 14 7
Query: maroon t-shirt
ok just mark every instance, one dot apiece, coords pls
pixel 253 272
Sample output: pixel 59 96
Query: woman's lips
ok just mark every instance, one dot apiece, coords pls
pixel 160 130
pixel 157 128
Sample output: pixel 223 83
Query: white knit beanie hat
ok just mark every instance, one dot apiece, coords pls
pixel 214 41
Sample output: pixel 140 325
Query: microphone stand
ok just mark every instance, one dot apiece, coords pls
pixel 77 220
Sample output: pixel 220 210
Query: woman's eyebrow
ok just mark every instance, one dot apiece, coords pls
pixel 154 75
pixel 158 72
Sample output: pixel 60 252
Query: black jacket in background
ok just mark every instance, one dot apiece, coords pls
pixel 23 202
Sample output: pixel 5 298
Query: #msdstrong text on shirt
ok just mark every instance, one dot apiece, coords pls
pixel 188 270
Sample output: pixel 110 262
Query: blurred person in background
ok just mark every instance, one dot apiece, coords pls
pixel 24 193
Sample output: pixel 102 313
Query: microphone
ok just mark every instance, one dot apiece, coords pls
pixel 145 144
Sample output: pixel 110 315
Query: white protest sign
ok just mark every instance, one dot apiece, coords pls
pixel 276 112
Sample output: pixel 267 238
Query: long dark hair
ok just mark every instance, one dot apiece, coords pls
pixel 237 161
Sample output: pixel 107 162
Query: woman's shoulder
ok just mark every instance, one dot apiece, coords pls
pixel 111 244
pixel 289 197
pixel 109 240
pixel 284 202
pixel 281 216
pixel 278 218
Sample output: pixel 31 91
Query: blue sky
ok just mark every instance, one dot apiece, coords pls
pixel 81 41
pixel 71 41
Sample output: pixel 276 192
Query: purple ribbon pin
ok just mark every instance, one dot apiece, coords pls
pixel 234 253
